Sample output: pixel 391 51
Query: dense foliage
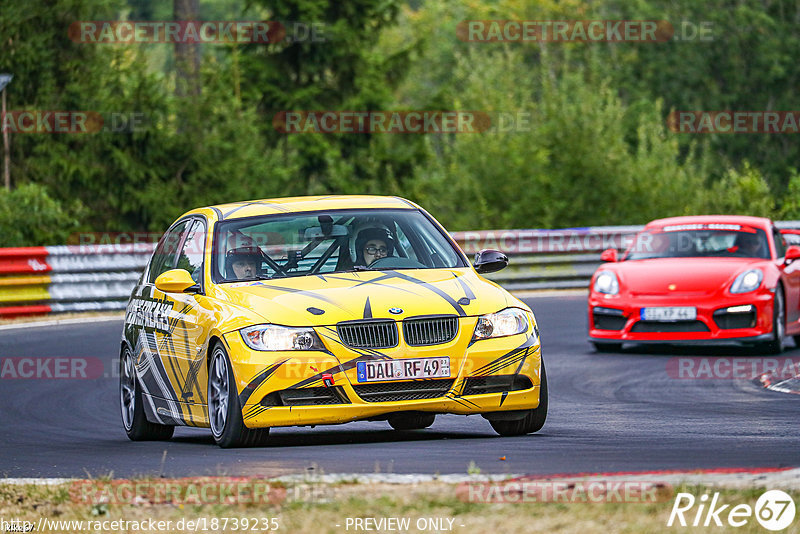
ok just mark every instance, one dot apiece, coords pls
pixel 595 149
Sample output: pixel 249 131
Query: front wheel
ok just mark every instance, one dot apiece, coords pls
pixel 776 344
pixel 533 420
pixel 224 410
pixel 137 427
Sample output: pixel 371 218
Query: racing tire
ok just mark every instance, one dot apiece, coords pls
pixel 776 344
pixel 607 347
pixel 533 420
pixel 224 410
pixel 134 420
pixel 412 421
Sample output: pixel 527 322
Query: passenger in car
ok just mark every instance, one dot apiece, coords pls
pixel 242 263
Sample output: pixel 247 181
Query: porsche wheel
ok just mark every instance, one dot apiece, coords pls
pixel 224 410
pixel 412 421
pixel 776 344
pixel 533 420
pixel 137 427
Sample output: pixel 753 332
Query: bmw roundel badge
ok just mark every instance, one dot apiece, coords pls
pixel 396 311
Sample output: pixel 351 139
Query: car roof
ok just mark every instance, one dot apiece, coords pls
pixel 271 206
pixel 745 220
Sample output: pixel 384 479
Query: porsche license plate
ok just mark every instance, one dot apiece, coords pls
pixel 672 313
pixel 374 371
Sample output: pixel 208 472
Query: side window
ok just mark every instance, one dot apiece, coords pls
pixel 780 243
pixel 164 256
pixel 191 256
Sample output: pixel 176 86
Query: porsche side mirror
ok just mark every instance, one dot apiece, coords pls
pixel 489 261
pixel 792 253
pixel 176 281
pixel 609 254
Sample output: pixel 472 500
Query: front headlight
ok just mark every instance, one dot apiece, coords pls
pixel 508 322
pixel 274 337
pixel 747 281
pixel 606 282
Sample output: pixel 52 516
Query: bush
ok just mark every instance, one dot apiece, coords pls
pixel 29 216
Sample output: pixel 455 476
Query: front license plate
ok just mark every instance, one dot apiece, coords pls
pixel 673 313
pixel 375 371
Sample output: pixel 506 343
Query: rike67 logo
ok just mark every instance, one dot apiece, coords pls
pixel 774 510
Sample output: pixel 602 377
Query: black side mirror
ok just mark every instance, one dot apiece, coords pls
pixel 489 261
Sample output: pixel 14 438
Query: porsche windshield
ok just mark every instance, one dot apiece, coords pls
pixel 730 242
pixel 276 246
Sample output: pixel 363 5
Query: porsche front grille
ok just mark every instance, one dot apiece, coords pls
pixel 402 391
pixel 368 334
pixel 430 330
pixel 668 327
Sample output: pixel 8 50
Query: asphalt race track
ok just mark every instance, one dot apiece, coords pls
pixel 608 412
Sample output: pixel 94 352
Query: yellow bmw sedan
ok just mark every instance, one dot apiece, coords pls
pixel 323 310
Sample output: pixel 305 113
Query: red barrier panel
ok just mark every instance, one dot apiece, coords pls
pixel 23 252
pixel 8 312
pixel 24 266
pixel 24 260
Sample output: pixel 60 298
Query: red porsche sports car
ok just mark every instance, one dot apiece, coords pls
pixel 702 279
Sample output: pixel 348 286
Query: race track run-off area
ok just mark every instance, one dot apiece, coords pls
pixel 617 412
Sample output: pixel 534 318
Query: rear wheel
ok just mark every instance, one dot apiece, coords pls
pixel 412 421
pixel 224 410
pixel 607 347
pixel 137 427
pixel 776 344
pixel 533 420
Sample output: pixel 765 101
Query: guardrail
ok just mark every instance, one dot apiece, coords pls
pixel 41 280
pixel 80 278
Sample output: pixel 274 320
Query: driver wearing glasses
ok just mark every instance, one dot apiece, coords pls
pixel 373 244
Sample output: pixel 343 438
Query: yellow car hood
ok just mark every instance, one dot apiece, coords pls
pixel 328 299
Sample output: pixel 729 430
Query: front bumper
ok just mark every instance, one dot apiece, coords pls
pixel 618 319
pixel 265 380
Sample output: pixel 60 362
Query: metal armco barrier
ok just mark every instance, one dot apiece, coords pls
pixel 42 280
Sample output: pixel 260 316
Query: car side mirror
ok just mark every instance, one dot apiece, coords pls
pixel 176 281
pixel 792 253
pixel 609 254
pixel 489 261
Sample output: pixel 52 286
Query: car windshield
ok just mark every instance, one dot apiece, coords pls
pixel 700 240
pixel 277 246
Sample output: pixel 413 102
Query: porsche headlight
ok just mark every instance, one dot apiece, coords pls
pixel 606 282
pixel 747 281
pixel 508 322
pixel 274 337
